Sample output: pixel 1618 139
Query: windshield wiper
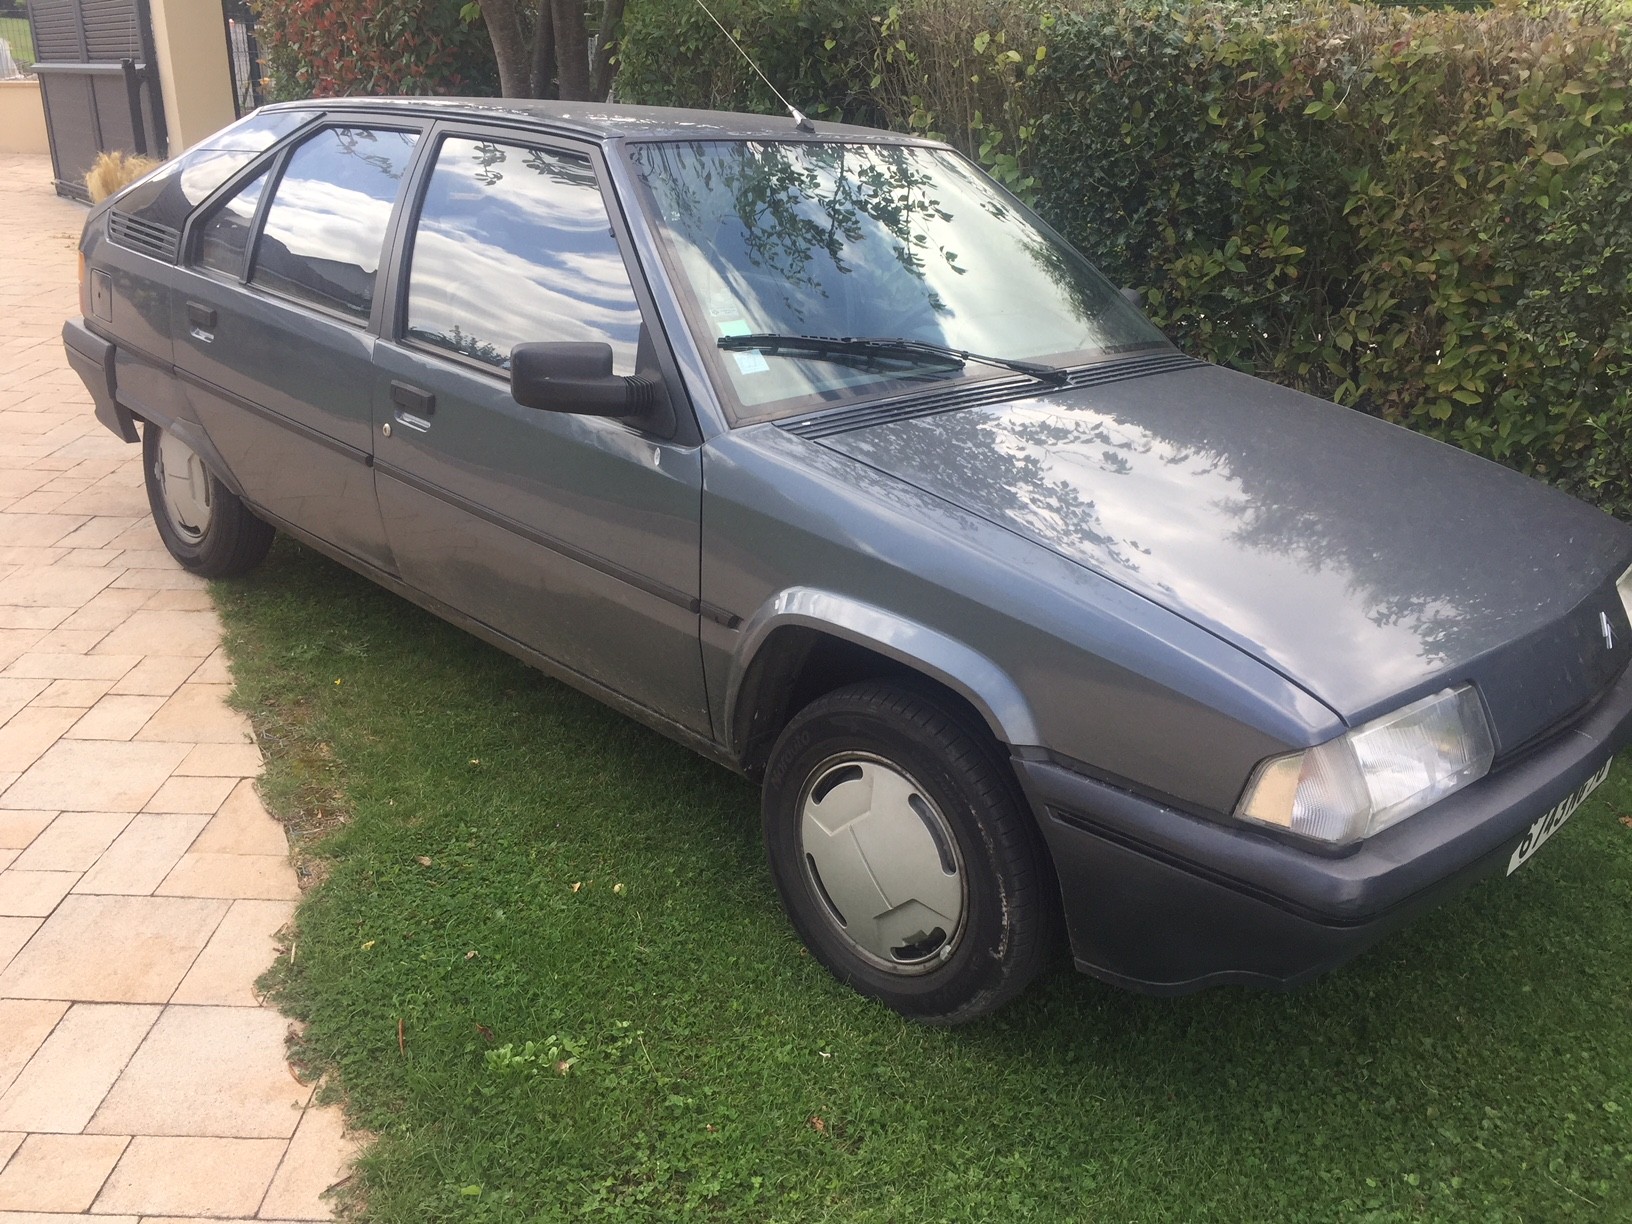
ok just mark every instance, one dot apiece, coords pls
pixel 883 348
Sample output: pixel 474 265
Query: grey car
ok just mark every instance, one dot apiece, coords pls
pixel 812 448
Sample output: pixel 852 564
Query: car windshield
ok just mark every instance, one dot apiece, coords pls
pixel 871 241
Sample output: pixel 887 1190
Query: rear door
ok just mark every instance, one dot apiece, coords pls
pixel 576 536
pixel 271 318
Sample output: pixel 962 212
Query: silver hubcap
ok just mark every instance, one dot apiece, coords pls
pixel 185 487
pixel 882 859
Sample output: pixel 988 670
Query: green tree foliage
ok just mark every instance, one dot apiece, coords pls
pixel 332 48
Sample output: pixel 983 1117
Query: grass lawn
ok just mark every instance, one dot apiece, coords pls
pixel 568 922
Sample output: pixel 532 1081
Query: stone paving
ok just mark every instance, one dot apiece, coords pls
pixel 142 884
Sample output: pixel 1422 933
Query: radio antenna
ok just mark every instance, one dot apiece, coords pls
pixel 799 120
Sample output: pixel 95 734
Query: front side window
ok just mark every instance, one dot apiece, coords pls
pixel 325 227
pixel 873 241
pixel 514 245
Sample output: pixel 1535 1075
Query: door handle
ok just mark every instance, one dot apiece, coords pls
pixel 201 319
pixel 421 403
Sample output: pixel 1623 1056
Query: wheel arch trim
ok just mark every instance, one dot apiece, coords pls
pixel 937 655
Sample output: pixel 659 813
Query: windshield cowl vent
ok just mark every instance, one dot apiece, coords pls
pixel 147 237
pixel 863 416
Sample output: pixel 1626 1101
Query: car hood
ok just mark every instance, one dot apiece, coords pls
pixel 1362 561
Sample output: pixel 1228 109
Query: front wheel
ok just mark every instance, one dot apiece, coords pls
pixel 905 855
pixel 203 526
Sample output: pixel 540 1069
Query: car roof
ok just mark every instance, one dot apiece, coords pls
pixel 609 121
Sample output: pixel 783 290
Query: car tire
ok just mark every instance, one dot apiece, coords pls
pixel 203 525
pixel 905 854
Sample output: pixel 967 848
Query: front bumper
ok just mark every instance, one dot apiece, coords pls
pixel 1162 901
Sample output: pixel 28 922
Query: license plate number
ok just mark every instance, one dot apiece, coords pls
pixel 1552 821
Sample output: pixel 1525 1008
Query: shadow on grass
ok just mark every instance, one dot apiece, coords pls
pixel 604 1012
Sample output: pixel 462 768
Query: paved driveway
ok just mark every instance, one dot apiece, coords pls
pixel 142 883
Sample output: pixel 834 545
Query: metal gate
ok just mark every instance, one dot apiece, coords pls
pixel 243 56
pixel 99 83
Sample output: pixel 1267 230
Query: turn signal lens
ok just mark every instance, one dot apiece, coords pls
pixel 1376 775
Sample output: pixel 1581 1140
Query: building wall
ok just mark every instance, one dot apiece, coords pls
pixel 22 118
pixel 190 39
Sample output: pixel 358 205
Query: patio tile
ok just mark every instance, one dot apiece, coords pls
pixel 183 601
pixel 214 670
pixel 266 877
pixel 59 1172
pixel 38 529
pixel 15 643
pixel 159 580
pixel 33 894
pixel 17 695
pixel 221 761
pixel 319 1156
pixel 18 829
pixel 243 826
pixel 115 717
pixel 163 632
pixel 94 776
pixel 72 694
pixel 14 934
pixel 52 1217
pixel 67 1078
pixel 28 733
pixel 97 532
pixel 190 795
pixel 191 1177
pixel 71 667
pixel 242 948
pixel 157 676
pixel 13 617
pixel 198 714
pixel 24 1026
pixel 49 586
pixel 8 1145
pixel 113 949
pixel 145 853
pixel 68 641
pixel 216 1071
pixel 73 842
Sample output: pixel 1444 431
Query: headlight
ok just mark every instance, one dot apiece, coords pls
pixel 1378 774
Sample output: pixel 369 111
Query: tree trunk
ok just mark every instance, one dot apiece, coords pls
pixel 600 83
pixel 509 47
pixel 571 49
pixel 544 52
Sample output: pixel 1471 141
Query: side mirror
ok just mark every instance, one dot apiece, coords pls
pixel 1133 298
pixel 578 379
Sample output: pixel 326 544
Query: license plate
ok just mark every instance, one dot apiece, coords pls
pixel 1552 821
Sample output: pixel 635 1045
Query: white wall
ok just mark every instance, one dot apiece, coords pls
pixel 190 40
pixel 22 118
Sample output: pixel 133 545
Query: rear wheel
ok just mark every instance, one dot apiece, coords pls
pixel 905 854
pixel 203 526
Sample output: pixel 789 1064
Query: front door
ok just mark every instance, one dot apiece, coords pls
pixel 576 536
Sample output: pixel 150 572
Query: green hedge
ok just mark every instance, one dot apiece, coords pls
pixel 1427 215
pixel 330 48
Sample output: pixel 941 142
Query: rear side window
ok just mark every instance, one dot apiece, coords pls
pixel 325 226
pixel 224 237
pixel 514 245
